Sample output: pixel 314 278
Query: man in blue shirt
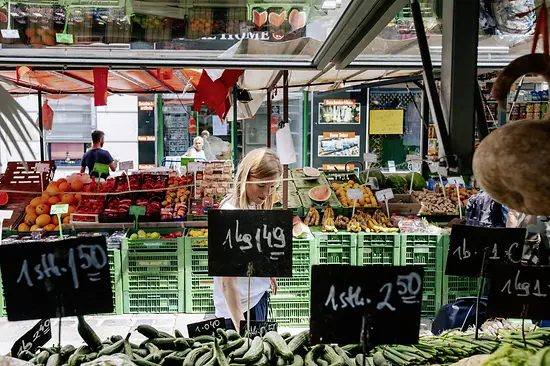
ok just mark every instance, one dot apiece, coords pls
pixel 97 155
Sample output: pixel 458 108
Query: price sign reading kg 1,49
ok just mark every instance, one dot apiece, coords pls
pixel 258 328
pixel 250 242
pixel 70 277
pixel 388 298
pixel 471 245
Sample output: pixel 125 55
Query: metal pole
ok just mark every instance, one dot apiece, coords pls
pixel 285 120
pixel 481 119
pixel 269 116
pixel 305 129
pixel 425 130
pixel 234 137
pixel 41 126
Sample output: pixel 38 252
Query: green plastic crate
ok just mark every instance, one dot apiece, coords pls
pixel 378 249
pixel 430 305
pixel 198 293
pixel 148 262
pixel 196 243
pixel 115 266
pixel 291 313
pixel 161 244
pixel 153 302
pixel 336 248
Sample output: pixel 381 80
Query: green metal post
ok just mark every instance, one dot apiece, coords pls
pixel 160 130
pixel 305 130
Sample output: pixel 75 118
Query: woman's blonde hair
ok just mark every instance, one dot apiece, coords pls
pixel 258 164
pixel 199 139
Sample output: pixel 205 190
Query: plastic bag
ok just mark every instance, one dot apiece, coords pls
pixel 47 117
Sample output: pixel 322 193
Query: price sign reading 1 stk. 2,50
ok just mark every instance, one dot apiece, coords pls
pixel 470 246
pixel 207 327
pixel 343 298
pixel 519 291
pixel 255 243
pixel 70 277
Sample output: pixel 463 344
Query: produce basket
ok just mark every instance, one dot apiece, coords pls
pixel 146 263
pixel 290 313
pixel 301 182
pixel 307 202
pixel 153 303
pixel 335 248
pixel 117 209
pixel 198 293
pixel 378 249
pixel 159 244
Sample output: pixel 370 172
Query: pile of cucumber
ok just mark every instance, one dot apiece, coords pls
pixel 227 348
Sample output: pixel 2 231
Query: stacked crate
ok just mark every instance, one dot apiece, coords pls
pixel 291 304
pixel 454 287
pixel 115 268
pixel 378 249
pixel 336 248
pixel 425 250
pixel 153 277
pixel 199 286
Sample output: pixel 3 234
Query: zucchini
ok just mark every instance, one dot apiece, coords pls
pixel 42 357
pixel 344 356
pixel 332 357
pixel 203 360
pixel 232 334
pixel 67 351
pixel 219 355
pixel 298 361
pixel 25 355
pixel 268 350
pixel 298 341
pixel 144 363
pixel 322 362
pixel 239 352
pixel 254 354
pixel 204 338
pixel 54 360
pixel 111 350
pixel 194 355
pixel 232 345
pixel 178 334
pixel 148 331
pixel 88 335
pixel 180 343
pixel 263 361
pixel 279 345
pixel 313 353
pixel 223 335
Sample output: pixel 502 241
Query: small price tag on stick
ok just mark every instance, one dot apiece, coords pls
pixel 240 239
pixel 384 196
pixel 343 298
pixel 64 38
pixel 519 291
pixel 126 165
pixel 59 210
pixel 101 169
pixel 207 327
pixel 471 247
pixel 137 211
pixel 354 194
pixel 258 328
pixel 70 277
pixel 38 336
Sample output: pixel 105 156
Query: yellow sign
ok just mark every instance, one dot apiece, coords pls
pixel 386 122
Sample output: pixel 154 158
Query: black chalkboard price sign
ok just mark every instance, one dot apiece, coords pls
pixel 66 278
pixel 250 242
pixel 207 327
pixel 38 336
pixel 345 300
pixel 472 247
pixel 257 328
pixel 520 292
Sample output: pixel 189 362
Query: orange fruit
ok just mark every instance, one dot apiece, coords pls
pixel 42 209
pixel 55 220
pixel 67 198
pixel 30 219
pixel 49 227
pixel 67 220
pixel 45 197
pixel 72 209
pixel 35 228
pixel 30 210
pixel 53 189
pixel 54 200
pixel 35 201
pixel 64 187
pixel 57 228
pixel 23 228
pixel 60 181
pixel 43 220
pixel 78 197
pixel 77 185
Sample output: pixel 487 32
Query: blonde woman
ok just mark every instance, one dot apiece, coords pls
pixel 196 151
pixel 231 293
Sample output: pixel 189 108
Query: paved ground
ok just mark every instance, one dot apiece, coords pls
pixel 105 326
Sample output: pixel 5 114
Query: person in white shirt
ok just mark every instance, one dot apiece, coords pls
pixel 231 293
pixel 196 151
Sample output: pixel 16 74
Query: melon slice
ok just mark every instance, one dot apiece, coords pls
pixel 3 198
pixel 311 172
pixel 320 193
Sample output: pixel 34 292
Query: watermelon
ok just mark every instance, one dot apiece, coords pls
pixel 320 193
pixel 375 173
pixel 397 183
pixel 419 181
pixel 3 198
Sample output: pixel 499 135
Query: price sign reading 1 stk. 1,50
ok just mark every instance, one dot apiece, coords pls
pixel 474 247
pixel 343 298
pixel 250 242
pixel 70 277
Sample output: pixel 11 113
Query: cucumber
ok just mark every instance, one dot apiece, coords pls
pixel 232 334
pixel 66 352
pixel 223 335
pixel 359 359
pixel 280 361
pixel 286 335
pixel 88 335
pixel 178 334
pixel 332 357
pixel 148 331
pixel 173 359
pixel 199 344
pixel 313 353
pixel 254 354
pixel 128 347
pixel 344 356
pixel 78 356
pixel 42 357
pixel 232 345
pixel 141 352
pixel 298 341
pixel 204 339
pixel 380 360
pixel 180 343
pixel 54 360
pixel 111 350
pixel 203 360
pixel 279 345
pixel 194 355
pixel 144 363
pixel 322 362
pixel 263 361
pixel 90 357
pixel 298 361
pixel 352 348
pixel 115 338
pixel 212 362
pixel 219 355
pixel 25 355
pixel 165 335
pixel 163 343
pixel 135 356
pixel 154 353
pixel 268 350
pixel 239 352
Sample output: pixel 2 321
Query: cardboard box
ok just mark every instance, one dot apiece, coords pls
pixel 402 204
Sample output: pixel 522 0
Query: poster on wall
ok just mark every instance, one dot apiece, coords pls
pixel 339 111
pixel 386 122
pixel 338 144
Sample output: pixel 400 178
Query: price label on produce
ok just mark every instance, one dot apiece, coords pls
pixel 472 247
pixel 391 166
pixel 207 327
pixel 354 194
pixel 59 209
pixel 258 328
pixel 457 181
pixel 101 169
pixel 64 38
pixel 137 210
pixel 10 33
pixel 384 195
pixel 38 336
pixel 370 158
pixel 126 165
pixel 69 277
pixel 345 300
pixel 256 243
pixel 519 291
pixel 42 167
